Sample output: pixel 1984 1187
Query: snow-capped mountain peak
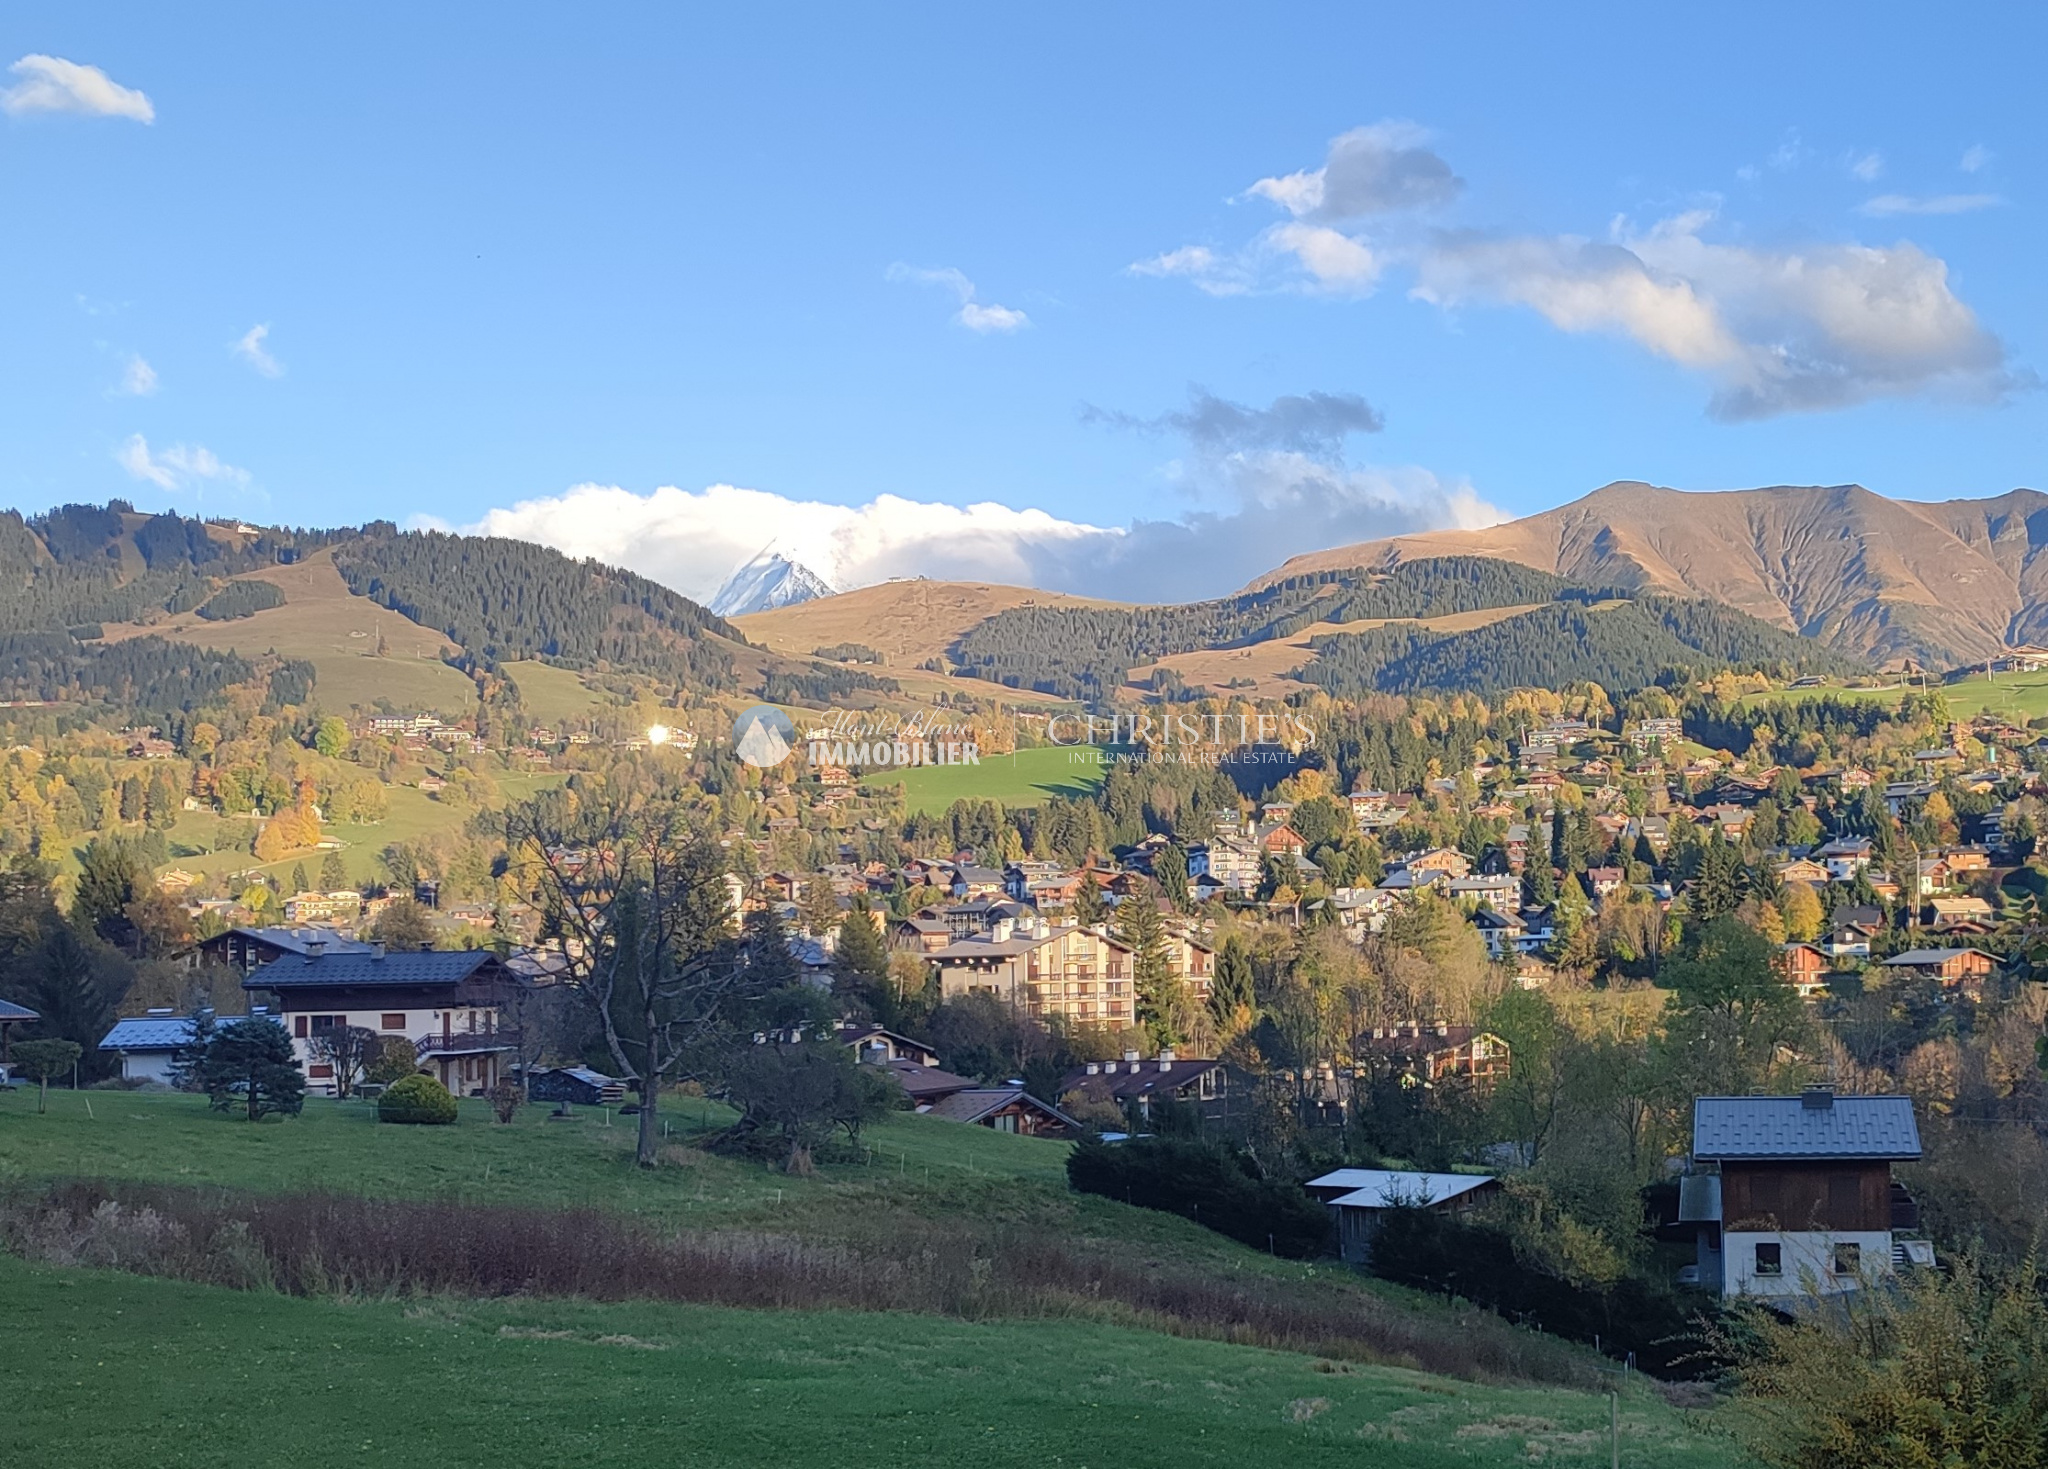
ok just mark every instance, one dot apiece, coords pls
pixel 770 580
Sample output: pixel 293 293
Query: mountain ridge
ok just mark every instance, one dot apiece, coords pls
pixel 1931 582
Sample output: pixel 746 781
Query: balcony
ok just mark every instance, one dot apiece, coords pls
pixel 465 1043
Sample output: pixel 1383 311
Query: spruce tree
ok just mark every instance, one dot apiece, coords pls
pixel 251 1064
pixel 1230 988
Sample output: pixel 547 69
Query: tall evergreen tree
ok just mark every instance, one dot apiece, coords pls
pixel 1231 987
pixel 1139 928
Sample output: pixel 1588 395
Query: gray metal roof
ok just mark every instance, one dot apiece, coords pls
pixel 11 1012
pixel 369 967
pixel 1752 1128
pixel 160 1032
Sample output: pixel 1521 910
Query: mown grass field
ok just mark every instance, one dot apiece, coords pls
pixel 550 693
pixel 118 1369
pixel 2017 696
pixel 1026 778
pixel 410 815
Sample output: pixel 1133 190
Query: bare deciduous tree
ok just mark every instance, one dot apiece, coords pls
pixel 349 1050
pixel 635 904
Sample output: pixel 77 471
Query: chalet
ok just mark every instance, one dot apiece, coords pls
pixel 874 1044
pixel 148 1044
pixel 1792 1197
pixel 920 935
pixel 1500 891
pixel 1504 933
pixel 1961 970
pixel 1656 734
pixel 1806 968
pixel 1004 1109
pixel 1604 881
pixel 1214 1091
pixel 1844 857
pixel 1950 912
pixel 249 948
pixel 1806 870
pixel 970 881
pixel 451 1005
pixel 1359 1198
pixel 1282 839
pixel 1428 1054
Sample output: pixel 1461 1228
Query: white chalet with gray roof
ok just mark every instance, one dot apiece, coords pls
pixel 1793 1197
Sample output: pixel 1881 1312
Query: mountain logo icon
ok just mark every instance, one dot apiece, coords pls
pixel 763 736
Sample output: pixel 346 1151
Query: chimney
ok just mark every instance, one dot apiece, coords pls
pixel 1131 1056
pixel 1818 1099
pixel 376 953
pixel 1166 1058
pixel 315 946
pixel 1094 1068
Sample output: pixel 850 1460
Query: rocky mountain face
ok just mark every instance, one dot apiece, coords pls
pixel 1893 581
pixel 768 581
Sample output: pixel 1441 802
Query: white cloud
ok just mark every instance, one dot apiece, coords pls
pixel 1975 158
pixel 138 378
pixel 249 347
pixel 52 84
pixel 1867 166
pixel 1208 271
pixel 1280 503
pixel 179 467
pixel 1885 205
pixel 975 315
pixel 1777 330
pixel 1337 262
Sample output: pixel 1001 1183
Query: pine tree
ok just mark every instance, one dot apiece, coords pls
pixel 251 1063
pixel 1089 908
pixel 333 873
pixel 1171 868
pixel 300 882
pixel 189 1059
pixel 1230 989
pixel 861 961
pixel 1138 927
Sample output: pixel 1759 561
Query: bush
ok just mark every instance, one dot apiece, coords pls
pixel 1206 1183
pixel 418 1099
pixel 241 599
pixel 1479 1262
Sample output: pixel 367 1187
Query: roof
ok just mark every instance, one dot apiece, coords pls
pixel 150 1033
pixel 1916 957
pixel 11 1012
pixel 1868 1128
pixel 927 1081
pixel 977 1103
pixel 1379 1188
pixel 370 967
pixel 1126 1080
pixel 300 940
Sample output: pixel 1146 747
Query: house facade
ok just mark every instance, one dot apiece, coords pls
pixel 451 1006
pixel 1792 1197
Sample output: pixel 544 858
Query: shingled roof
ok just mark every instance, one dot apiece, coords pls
pixel 1816 1125
pixel 370 967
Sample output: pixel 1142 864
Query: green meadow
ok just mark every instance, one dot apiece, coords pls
pixel 1026 778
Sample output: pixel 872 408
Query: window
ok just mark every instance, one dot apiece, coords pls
pixel 319 1072
pixel 394 1021
pixel 1770 1259
pixel 328 1022
pixel 1848 1259
pixel 299 1026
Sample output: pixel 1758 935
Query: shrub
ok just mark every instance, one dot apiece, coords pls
pixel 418 1099
pixel 505 1099
pixel 1208 1184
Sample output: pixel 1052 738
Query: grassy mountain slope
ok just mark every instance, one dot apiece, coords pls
pixel 907 622
pixel 1884 579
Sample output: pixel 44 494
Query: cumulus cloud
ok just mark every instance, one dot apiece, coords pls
pixel 974 314
pixel 1308 423
pixel 52 84
pixel 1210 272
pixel 1370 170
pixel 1779 330
pixel 138 378
pixel 249 347
pixel 179 467
pixel 1890 204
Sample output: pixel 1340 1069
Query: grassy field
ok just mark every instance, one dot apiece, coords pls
pixel 2017 696
pixel 1026 778
pixel 410 815
pixel 550 693
pixel 338 634
pixel 118 1369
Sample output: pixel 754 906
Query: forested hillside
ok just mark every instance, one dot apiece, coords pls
pixel 145 680
pixel 1626 646
pixel 504 600
pixel 1086 652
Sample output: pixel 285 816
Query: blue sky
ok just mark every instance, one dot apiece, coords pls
pixel 954 256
